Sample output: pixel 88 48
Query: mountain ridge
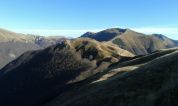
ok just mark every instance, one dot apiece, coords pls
pixel 135 42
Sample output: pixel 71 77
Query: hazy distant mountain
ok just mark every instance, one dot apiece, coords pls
pixel 14 44
pixel 132 41
pixel 37 76
pixel 149 80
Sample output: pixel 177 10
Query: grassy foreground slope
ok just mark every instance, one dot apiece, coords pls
pixel 155 83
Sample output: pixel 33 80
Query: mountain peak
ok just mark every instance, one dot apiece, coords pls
pixel 88 34
pixel 115 30
pixel 105 35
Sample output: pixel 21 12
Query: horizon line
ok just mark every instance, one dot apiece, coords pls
pixel 167 31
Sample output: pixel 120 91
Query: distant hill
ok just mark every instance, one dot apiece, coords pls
pixel 36 76
pixel 137 43
pixel 14 44
pixel 149 80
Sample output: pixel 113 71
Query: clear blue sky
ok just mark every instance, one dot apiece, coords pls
pixel 73 17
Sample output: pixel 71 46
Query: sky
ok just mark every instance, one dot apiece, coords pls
pixel 72 18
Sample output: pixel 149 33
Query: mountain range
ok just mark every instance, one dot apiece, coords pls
pixel 14 44
pixel 114 67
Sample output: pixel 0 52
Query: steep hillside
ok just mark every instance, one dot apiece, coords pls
pixel 154 83
pixel 137 43
pixel 141 44
pixel 37 76
pixel 14 44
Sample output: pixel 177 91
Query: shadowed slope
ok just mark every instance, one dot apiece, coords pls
pixel 153 84
pixel 37 76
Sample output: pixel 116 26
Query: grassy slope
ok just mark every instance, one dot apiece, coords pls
pixel 152 84
pixel 144 59
pixel 141 44
pixel 105 49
